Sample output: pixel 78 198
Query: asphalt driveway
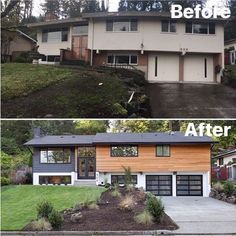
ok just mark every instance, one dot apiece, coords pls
pixel 180 100
pixel 199 215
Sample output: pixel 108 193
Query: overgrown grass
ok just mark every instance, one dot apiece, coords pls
pixel 20 79
pixel 19 202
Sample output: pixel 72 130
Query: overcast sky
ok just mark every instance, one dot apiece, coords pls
pixel 112 3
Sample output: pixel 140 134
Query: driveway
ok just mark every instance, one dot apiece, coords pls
pixel 175 100
pixel 196 215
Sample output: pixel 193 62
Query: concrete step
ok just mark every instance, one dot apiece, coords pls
pixel 85 182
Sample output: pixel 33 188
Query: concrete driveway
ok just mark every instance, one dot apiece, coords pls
pixel 199 215
pixel 175 100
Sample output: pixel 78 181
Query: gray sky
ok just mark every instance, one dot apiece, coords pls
pixel 113 5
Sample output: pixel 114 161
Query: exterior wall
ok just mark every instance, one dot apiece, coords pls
pixel 52 168
pixel 226 159
pixel 101 178
pixel 149 34
pixel 191 158
pixel 53 48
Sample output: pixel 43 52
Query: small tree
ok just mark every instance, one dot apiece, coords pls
pixel 127 175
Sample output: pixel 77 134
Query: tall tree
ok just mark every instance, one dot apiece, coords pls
pixel 91 126
pixel 230 27
pixel 52 6
pixel 71 8
pixel 7 6
pixel 90 6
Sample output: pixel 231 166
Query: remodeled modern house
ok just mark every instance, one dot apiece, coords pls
pixel 166 164
pixel 166 50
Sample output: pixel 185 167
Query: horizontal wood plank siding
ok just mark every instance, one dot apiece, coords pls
pixel 183 158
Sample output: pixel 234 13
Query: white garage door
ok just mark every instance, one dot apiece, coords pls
pixel 163 67
pixel 198 68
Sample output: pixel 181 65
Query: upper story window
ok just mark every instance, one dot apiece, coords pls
pixel 122 25
pixel 200 28
pixel 168 26
pixel 55 155
pixel 86 152
pixel 80 30
pixel 163 151
pixel 55 35
pixel 124 151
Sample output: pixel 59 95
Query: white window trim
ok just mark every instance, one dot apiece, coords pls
pixel 208 29
pixel 114 55
pixel 169 32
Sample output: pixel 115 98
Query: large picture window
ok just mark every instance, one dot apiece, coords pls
pixel 122 59
pixel 55 155
pixel 122 25
pixel 55 35
pixel 120 179
pixel 163 151
pixel 124 151
pixel 200 28
pixel 80 30
pixel 55 179
pixel 86 152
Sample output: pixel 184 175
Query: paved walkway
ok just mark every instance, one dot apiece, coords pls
pixel 196 215
pixel 175 100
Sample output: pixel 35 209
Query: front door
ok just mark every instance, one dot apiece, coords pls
pixel 86 168
pixel 79 47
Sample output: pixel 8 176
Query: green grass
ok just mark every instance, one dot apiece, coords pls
pixel 18 203
pixel 20 79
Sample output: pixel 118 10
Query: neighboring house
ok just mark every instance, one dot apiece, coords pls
pixel 230 54
pixel 226 165
pixel 14 42
pixel 166 164
pixel 166 50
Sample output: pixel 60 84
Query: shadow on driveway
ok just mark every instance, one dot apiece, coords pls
pixel 191 100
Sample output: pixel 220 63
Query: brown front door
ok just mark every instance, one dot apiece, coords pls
pixel 86 167
pixel 80 47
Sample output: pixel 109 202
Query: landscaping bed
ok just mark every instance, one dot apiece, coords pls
pixel 112 212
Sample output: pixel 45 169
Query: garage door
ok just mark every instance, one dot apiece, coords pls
pixel 189 185
pixel 163 67
pixel 159 185
pixel 198 68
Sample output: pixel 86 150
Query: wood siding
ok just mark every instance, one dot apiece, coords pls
pixel 183 158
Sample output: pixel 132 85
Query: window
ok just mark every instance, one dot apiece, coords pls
pixel 163 151
pixel 168 26
pixel 55 155
pixel 200 28
pixel 233 57
pixel 55 179
pixel 86 152
pixel 122 59
pixel 120 179
pixel 122 25
pixel 80 30
pixel 124 151
pixel 221 161
pixel 55 35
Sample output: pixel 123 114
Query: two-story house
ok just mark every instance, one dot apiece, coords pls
pixel 166 164
pixel 166 50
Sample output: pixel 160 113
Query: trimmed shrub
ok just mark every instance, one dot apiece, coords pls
pixel 5 181
pixel 228 188
pixel 155 207
pixel 41 225
pixel 44 208
pixel 55 219
pixel 144 217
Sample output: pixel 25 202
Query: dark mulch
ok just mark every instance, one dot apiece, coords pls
pixel 110 218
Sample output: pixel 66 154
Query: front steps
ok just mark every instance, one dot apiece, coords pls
pixel 85 182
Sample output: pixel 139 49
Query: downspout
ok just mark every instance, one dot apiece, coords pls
pixel 91 54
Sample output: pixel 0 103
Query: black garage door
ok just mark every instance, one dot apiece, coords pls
pixel 189 185
pixel 159 185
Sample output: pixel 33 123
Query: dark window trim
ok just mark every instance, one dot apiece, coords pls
pixel 162 152
pixel 86 160
pixel 55 163
pixel 56 176
pixel 124 145
pixel 63 29
pixel 133 176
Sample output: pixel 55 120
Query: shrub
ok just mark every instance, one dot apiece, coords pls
pixel 129 187
pixel 228 188
pixel 127 175
pixel 28 178
pixel 5 181
pixel 218 187
pixel 144 217
pixel 55 219
pixel 41 225
pixel 115 193
pixel 127 203
pixel 44 208
pixel 155 207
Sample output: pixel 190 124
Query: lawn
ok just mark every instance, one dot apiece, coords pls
pixel 39 91
pixel 18 203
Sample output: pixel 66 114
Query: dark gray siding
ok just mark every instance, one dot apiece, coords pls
pixel 38 167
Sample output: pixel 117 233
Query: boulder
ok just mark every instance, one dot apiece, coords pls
pixel 76 217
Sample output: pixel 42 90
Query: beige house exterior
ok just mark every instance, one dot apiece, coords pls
pixel 166 50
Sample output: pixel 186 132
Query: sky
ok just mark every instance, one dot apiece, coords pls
pixel 112 3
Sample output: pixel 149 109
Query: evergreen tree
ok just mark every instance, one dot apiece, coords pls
pixel 90 6
pixel 52 7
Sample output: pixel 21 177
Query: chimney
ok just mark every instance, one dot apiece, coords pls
pixel 50 16
pixel 38 132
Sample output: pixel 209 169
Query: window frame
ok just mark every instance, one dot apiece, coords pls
pixel 129 145
pixel 48 149
pixel 169 26
pixel 221 161
pixel 124 20
pixel 132 176
pixel 163 145
pixel 94 147
pixel 194 23
pixel 61 30
pixel 117 55
pixel 49 176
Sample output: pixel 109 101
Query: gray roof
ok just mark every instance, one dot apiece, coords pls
pixel 226 153
pixel 118 138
